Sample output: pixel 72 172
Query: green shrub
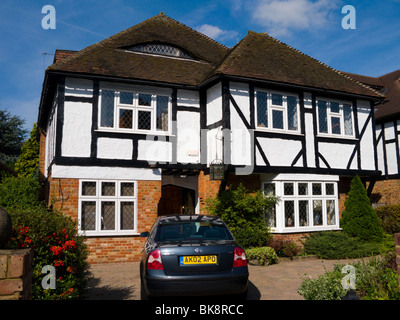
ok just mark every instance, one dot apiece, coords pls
pixel 243 213
pixel 264 255
pixel 326 287
pixel 374 280
pixel 53 238
pixel 339 245
pixel 359 219
pixel 19 192
pixel 390 216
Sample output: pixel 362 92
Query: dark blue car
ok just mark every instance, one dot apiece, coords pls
pixel 192 256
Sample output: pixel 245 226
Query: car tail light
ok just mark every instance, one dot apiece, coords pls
pixel 239 258
pixel 154 260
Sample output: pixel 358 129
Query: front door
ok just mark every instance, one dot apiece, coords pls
pixel 176 200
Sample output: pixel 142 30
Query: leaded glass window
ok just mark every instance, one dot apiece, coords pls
pixel 161 49
pixel 277 111
pixel 335 118
pixel 110 210
pixel 134 111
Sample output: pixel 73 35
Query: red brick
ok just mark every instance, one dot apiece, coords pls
pixel 10 286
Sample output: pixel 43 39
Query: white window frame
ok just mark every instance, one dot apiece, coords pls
pixel 340 115
pixel 135 107
pixel 98 199
pixel 280 206
pixel 283 108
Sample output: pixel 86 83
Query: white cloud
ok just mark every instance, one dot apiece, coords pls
pixel 280 17
pixel 216 33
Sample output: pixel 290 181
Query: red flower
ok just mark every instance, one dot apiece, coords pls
pixel 58 263
pixel 56 250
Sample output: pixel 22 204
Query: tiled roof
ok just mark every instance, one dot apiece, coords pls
pixel 389 85
pixel 110 57
pixel 257 56
pixel 263 57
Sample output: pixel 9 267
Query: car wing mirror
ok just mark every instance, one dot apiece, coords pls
pixel 145 234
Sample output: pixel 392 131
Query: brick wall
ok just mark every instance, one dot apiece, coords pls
pixel 16 274
pixel 64 195
pixel 386 192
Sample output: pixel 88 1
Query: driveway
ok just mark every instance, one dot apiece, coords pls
pixel 120 281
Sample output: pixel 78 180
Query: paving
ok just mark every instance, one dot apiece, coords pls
pixel 120 281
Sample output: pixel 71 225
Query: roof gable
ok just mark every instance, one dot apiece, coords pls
pixel 110 57
pixel 263 57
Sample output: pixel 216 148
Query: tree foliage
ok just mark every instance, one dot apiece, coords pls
pixel 359 219
pixel 28 161
pixel 243 212
pixel 12 136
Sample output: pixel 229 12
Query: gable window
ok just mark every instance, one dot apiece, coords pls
pixel 335 118
pixel 302 205
pixel 160 49
pixel 134 111
pixel 107 207
pixel 277 111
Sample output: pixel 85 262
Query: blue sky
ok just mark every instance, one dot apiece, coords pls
pixel 311 26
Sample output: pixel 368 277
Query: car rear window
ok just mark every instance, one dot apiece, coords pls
pixel 192 230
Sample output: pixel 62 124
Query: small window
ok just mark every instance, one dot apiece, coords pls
pixel 160 49
pixel 277 111
pixel 335 118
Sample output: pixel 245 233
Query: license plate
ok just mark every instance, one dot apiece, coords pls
pixel 187 260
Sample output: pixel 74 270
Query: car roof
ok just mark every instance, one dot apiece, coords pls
pixel 186 218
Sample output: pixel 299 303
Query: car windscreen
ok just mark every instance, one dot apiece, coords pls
pixel 192 230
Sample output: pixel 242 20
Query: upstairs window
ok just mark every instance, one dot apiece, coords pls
pixel 335 118
pixel 134 111
pixel 277 111
pixel 161 49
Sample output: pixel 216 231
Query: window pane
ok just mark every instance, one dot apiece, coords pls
pixel 262 109
pixel 335 122
pixel 316 189
pixel 126 98
pixel 322 120
pixel 162 113
pixel 127 215
pixel 269 189
pixel 330 208
pixel 125 119
pixel 88 215
pixel 292 113
pixel 108 189
pixel 89 188
pixel 270 218
pixel 288 189
pixel 348 124
pixel 144 120
pixel 303 189
pixel 107 109
pixel 277 119
pixel 289 214
pixel 144 99
pixel 127 189
pixel 277 99
pixel 108 215
pixel 329 189
pixel 303 213
pixel 334 107
pixel 317 212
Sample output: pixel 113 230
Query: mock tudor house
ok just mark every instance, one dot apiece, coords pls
pixel 384 189
pixel 158 118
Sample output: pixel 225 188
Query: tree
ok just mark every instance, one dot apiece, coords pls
pixel 359 219
pixel 12 136
pixel 28 161
pixel 243 212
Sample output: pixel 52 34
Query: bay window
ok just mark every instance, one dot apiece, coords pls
pixel 107 207
pixel 302 205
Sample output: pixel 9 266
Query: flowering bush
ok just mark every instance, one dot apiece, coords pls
pixel 53 237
